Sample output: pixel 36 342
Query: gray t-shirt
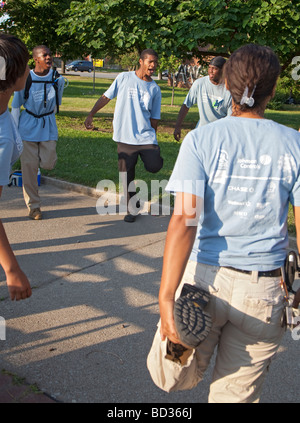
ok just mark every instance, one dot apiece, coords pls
pixel 214 101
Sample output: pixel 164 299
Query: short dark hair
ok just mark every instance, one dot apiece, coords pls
pixel 15 59
pixel 218 61
pixel 254 67
pixel 148 52
pixel 38 48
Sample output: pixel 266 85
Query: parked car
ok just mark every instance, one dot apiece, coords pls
pixel 80 65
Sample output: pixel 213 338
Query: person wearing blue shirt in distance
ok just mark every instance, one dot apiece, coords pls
pixel 210 95
pixel 234 180
pixel 135 122
pixel 37 125
pixel 15 59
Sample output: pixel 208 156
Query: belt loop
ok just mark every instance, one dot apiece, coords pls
pixel 254 276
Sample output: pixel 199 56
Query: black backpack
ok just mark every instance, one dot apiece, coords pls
pixel 54 82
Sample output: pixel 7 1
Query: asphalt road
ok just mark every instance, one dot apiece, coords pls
pixel 109 75
pixel 84 335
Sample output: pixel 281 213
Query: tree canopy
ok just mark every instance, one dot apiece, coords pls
pixel 36 22
pixel 179 27
pixel 172 27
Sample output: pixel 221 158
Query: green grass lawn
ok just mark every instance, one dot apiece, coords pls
pixel 87 157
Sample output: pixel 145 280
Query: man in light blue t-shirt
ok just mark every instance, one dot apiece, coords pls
pixel 136 116
pixel 211 96
pixel 37 124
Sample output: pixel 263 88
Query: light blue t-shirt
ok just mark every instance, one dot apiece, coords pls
pixel 250 172
pixel 137 102
pixel 214 101
pixel 11 146
pixel 44 128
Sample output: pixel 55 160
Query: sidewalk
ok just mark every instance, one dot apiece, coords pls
pixel 84 335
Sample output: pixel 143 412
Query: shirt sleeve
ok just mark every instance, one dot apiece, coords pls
pixel 229 105
pixel 191 98
pixel 15 113
pixel 156 105
pixel 112 91
pixel 188 174
pixel 6 151
pixel 295 193
pixel 18 99
pixel 61 86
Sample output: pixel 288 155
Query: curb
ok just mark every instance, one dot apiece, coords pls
pixel 16 390
pixel 70 186
pixel 111 198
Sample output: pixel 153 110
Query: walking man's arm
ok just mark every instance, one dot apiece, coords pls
pixel 181 115
pixel 100 103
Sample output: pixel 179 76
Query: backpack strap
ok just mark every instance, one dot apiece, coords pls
pixel 55 77
pixel 27 86
pixel 54 82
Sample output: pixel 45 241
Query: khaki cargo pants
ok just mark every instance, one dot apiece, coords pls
pixel 247 314
pixel 35 155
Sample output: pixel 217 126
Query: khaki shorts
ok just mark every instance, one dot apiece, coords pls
pixel 247 314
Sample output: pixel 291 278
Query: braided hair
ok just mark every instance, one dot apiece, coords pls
pixel 251 73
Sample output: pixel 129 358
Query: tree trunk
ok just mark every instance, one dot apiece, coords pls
pixel 173 91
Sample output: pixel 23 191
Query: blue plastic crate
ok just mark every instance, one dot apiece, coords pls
pixel 16 179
